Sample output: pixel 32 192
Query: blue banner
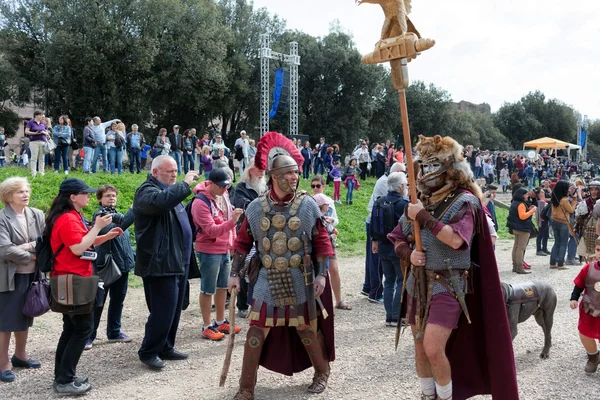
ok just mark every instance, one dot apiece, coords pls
pixel 279 74
pixel 582 138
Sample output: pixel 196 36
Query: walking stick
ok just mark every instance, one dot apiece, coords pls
pixel 227 361
pixel 400 43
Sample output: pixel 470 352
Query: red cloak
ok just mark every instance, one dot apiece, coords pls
pixel 481 353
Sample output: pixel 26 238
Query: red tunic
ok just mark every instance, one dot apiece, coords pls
pixel 588 326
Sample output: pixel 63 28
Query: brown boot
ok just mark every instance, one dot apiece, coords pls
pixel 315 347
pixel 252 349
pixel 592 364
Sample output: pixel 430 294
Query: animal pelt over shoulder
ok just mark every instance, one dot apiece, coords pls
pixel 457 170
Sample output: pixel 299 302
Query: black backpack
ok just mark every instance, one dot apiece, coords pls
pixel 546 213
pixel 188 211
pixel 44 257
pixel 383 218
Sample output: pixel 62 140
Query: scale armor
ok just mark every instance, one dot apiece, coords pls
pixel 277 232
pixel 437 251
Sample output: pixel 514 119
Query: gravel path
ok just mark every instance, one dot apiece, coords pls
pixel 366 365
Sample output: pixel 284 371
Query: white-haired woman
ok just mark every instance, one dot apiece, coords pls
pixel 381 245
pixel 20 225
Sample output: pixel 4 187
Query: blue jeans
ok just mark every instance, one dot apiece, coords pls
pixel 542 238
pixel 88 153
pixel 214 269
pixel 305 170
pixel 561 238
pixel 177 156
pixel 117 291
pixel 392 286
pixel 350 190
pixel 135 158
pixel 188 162
pixel 115 159
pixel 61 153
pixel 572 249
pixel 100 149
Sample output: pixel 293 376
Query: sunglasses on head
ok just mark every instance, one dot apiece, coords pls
pixel 316 186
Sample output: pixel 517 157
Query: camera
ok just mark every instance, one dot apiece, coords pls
pixel 117 217
pixel 88 255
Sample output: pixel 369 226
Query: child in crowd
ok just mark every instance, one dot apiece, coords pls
pixel 350 179
pixel 588 283
pixel 325 204
pixel 543 223
pixel 336 174
pixel 504 178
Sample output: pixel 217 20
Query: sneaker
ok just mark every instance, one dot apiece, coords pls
pixel 547 252
pixel 376 301
pixel 212 333
pixel 366 294
pixel 526 266
pixel 72 388
pixel 67 172
pixel 573 261
pixel 56 171
pixel 541 253
pixel 88 345
pixel 122 338
pixel 225 328
pixel 243 313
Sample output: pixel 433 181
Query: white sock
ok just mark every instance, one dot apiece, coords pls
pixel 594 353
pixel 205 327
pixel 221 322
pixel 444 392
pixel 427 386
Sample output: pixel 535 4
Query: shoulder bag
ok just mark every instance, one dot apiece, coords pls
pixel 109 271
pixel 49 146
pixel 36 300
pixel 73 294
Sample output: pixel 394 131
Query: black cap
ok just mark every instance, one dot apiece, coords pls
pixel 219 177
pixel 75 186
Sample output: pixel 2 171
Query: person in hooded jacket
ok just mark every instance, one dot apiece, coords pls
pixel 214 243
pixel 519 221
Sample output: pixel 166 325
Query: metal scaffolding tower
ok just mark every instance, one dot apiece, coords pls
pixel 293 60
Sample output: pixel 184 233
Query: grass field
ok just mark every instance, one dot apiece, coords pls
pixel 352 217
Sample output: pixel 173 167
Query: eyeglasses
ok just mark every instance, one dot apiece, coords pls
pixel 109 196
pixel 316 186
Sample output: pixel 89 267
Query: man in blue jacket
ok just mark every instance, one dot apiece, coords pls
pixel 392 285
pixel 163 255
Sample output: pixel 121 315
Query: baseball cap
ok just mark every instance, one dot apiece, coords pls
pixel 75 186
pixel 219 177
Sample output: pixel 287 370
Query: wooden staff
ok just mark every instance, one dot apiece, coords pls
pixel 400 80
pixel 227 361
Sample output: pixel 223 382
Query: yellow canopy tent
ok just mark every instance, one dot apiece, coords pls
pixel 546 143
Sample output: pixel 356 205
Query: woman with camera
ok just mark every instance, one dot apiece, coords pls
pixel 70 240
pixel 121 252
pixel 520 224
pixel 564 201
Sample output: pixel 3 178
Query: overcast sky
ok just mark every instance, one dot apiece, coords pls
pixel 486 50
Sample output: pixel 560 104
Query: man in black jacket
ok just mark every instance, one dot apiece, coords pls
pixel 252 184
pixel 164 249
pixel 176 140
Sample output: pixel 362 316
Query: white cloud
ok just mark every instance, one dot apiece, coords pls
pixel 486 50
